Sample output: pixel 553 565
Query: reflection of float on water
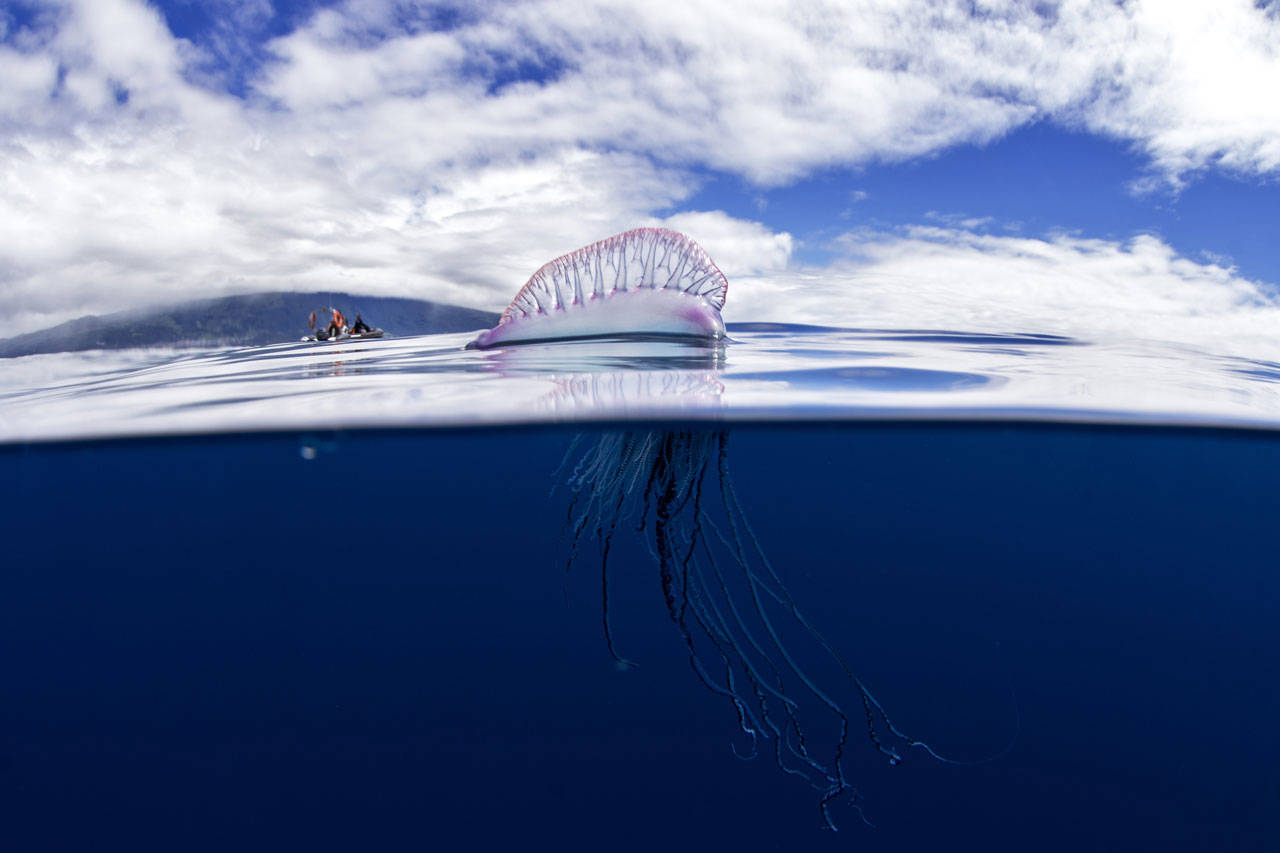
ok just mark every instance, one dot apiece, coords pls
pixel 624 376
pixel 732 610
pixel 626 393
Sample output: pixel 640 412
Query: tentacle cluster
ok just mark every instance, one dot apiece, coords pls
pixel 722 593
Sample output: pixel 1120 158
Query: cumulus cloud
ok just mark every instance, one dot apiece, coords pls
pixel 772 91
pixel 1190 84
pixel 740 248
pixel 408 148
pixel 927 277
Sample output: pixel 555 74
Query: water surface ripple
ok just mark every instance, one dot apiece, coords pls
pixel 764 372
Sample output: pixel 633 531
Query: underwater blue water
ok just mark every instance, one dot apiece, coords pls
pixel 316 638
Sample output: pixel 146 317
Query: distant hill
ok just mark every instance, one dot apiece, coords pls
pixel 262 318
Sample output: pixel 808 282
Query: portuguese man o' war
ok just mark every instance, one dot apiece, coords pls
pixel 673 488
pixel 643 281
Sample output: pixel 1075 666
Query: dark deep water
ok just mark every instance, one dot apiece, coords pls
pixel 217 643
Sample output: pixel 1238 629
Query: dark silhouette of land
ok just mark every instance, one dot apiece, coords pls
pixel 262 318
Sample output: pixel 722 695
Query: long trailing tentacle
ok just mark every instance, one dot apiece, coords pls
pixel 779 593
pixel 605 545
pixel 789 705
pixel 839 785
pixel 655 483
pixel 871 704
pixel 762 686
pixel 834 783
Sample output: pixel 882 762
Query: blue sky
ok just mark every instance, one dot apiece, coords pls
pixel 1036 180
pixel 1080 167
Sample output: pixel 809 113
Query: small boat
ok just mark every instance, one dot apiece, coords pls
pixel 321 337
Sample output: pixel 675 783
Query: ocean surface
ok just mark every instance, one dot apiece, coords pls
pixel 930 589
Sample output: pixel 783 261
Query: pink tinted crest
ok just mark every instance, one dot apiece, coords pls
pixel 643 258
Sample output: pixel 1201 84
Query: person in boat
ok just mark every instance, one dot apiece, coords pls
pixel 360 327
pixel 336 324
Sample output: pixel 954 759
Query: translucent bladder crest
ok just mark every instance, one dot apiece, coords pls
pixel 643 281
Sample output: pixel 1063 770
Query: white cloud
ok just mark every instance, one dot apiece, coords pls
pixel 739 248
pixel 1097 290
pixel 773 90
pixel 400 160
pixel 1193 84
